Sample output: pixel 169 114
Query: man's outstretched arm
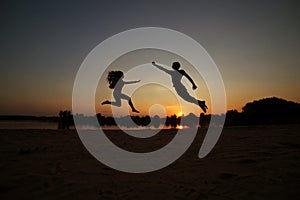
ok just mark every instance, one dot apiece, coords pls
pixel 189 78
pixel 131 82
pixel 160 67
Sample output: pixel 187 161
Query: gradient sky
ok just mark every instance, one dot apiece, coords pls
pixel 255 44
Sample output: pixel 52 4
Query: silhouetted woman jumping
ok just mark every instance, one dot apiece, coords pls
pixel 115 80
pixel 176 76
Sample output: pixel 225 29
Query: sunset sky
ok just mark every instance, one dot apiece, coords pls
pixel 255 44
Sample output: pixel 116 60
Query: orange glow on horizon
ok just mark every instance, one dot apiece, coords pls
pixel 179 127
pixel 179 114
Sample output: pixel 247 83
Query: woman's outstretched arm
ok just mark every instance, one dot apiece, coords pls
pixel 160 67
pixel 131 82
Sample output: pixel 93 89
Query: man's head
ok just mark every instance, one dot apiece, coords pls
pixel 176 65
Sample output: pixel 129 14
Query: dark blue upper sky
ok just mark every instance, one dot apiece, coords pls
pixel 255 44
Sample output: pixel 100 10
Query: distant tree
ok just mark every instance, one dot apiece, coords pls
pixel 233 117
pixel 145 121
pixel 65 119
pixel 191 120
pixel 204 120
pixel 156 121
pixel 60 120
pixel 101 119
pixel 172 121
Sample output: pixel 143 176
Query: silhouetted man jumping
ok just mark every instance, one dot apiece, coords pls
pixel 176 76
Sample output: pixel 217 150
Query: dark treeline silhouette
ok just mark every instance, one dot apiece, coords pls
pixel 172 121
pixel 265 111
pixel 259 112
pixel 136 121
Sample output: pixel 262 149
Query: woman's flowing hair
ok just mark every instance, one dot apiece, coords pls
pixel 113 77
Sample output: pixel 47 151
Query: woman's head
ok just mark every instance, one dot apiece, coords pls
pixel 113 77
pixel 176 65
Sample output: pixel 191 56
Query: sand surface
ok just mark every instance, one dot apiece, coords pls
pixel 247 163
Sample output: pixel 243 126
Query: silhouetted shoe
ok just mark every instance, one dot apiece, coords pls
pixel 202 105
pixel 136 111
pixel 105 102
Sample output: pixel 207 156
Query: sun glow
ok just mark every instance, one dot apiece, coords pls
pixel 179 127
pixel 179 114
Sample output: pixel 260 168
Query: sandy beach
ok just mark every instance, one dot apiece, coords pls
pixel 259 162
